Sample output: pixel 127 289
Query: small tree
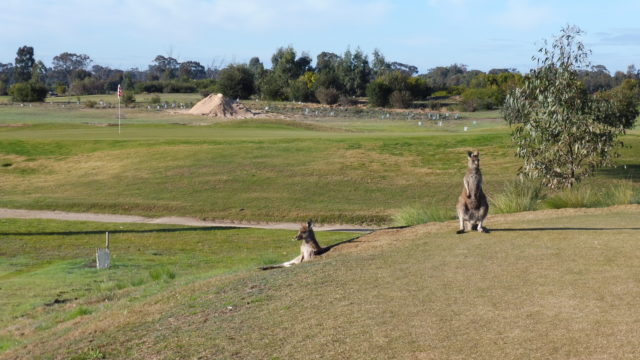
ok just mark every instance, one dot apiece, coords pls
pixel 236 81
pixel 23 64
pixel 562 133
pixel 30 91
pixel 378 93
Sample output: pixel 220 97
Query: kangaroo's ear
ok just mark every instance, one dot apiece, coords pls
pixel 469 153
pixel 310 223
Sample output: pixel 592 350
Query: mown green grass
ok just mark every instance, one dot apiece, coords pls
pixel 332 171
pixel 546 285
pixel 345 171
pixel 48 275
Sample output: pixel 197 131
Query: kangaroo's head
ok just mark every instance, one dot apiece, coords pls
pixel 306 231
pixel 474 159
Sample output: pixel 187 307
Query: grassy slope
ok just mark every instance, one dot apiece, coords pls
pixel 332 170
pixel 46 261
pixel 551 284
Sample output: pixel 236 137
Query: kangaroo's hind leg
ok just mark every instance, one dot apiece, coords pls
pixel 461 217
pixel 482 215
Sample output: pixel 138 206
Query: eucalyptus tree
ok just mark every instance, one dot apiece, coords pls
pixel 562 132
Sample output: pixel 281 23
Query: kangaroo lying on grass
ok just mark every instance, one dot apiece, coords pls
pixel 308 249
pixel 472 204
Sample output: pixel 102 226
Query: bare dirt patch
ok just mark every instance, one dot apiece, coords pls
pixel 216 105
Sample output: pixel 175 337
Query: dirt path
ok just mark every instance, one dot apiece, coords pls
pixel 169 220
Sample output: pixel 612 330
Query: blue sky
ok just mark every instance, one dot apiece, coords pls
pixel 482 34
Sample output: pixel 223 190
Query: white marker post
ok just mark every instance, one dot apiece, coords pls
pixel 103 256
pixel 119 96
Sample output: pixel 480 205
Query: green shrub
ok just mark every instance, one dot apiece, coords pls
pixel 418 87
pixel 440 93
pixel 378 93
pixel 480 99
pixel 60 89
pixel 327 96
pixel 298 90
pixel 518 196
pixel 90 104
pixel 270 88
pixel 128 98
pixel 28 91
pixel 179 87
pixel 212 89
pixel 155 99
pixel 236 81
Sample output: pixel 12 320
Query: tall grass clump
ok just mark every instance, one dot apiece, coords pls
pixel 159 273
pixel 593 195
pixel 416 215
pixel 621 193
pixel 519 195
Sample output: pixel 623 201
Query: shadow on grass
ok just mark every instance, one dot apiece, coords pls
pixel 565 229
pixel 623 172
pixel 94 232
pixel 326 249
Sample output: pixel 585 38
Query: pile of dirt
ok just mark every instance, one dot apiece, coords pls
pixel 218 106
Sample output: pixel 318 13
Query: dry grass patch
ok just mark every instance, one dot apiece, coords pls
pixel 554 284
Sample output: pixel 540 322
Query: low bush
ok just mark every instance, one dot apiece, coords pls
pixel 378 93
pixel 128 98
pixel 479 99
pixel 327 96
pixel 28 91
pixel 155 100
pixel 400 99
pixel 298 90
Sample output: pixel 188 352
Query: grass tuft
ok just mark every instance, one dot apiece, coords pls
pixel 77 312
pixel 89 354
pixel 592 195
pixel 159 273
pixel 621 193
pixel 519 195
pixel 416 215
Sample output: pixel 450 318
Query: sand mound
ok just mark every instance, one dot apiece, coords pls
pixel 219 106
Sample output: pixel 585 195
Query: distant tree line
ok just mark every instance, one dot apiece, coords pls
pixel 332 79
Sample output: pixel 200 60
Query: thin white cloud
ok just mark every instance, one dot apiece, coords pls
pixel 619 37
pixel 524 15
pixel 167 17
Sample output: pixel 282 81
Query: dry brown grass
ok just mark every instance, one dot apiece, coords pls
pixel 555 284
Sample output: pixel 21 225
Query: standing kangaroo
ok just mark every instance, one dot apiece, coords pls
pixel 472 204
pixel 308 249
